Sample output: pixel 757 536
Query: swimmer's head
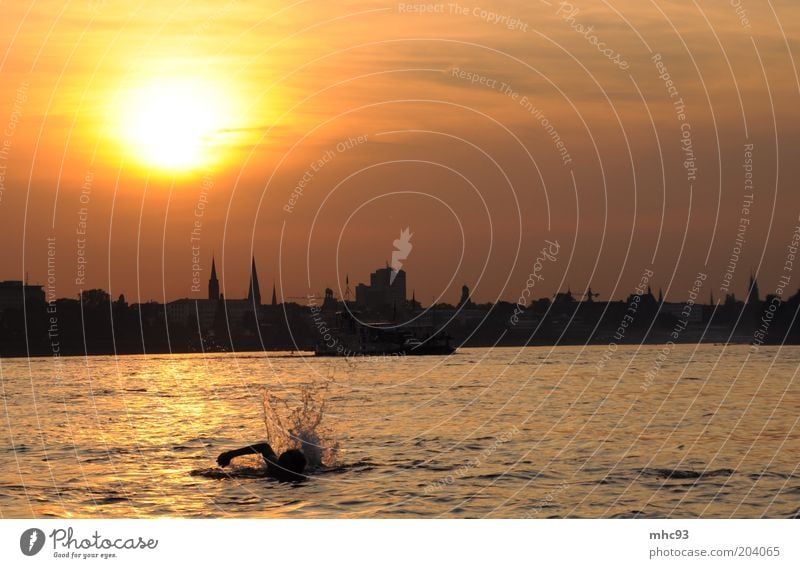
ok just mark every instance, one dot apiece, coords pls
pixel 291 465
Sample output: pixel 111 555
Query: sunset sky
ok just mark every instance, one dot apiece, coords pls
pixel 128 128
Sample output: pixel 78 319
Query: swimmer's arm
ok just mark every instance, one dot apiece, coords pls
pixel 263 448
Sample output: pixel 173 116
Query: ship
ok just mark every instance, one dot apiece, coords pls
pixel 351 337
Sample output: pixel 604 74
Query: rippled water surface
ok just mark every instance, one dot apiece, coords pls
pixel 533 432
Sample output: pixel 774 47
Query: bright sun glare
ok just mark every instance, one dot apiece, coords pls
pixel 173 125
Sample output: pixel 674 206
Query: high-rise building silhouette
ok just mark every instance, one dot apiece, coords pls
pixel 387 289
pixel 254 294
pixel 213 283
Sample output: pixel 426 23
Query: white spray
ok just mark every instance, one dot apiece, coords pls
pixel 299 425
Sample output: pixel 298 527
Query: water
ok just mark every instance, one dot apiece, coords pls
pixel 533 432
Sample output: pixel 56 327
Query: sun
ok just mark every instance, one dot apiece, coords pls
pixel 174 125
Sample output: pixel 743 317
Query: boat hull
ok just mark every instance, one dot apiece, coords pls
pixel 387 352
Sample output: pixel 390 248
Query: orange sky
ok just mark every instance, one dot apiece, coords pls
pixel 443 121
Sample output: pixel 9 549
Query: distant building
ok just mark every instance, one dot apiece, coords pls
pixel 753 298
pixel 692 314
pixel 646 301
pixel 254 293
pixel 330 303
pixel 564 297
pixel 14 292
pixel 198 313
pixel 465 301
pixel 213 283
pixel 150 313
pixel 590 296
pixel 383 292
pixel 413 304
pixel 191 312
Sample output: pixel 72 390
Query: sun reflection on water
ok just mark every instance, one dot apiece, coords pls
pixel 467 436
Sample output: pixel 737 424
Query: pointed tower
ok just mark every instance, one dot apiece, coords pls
pixel 254 293
pixel 660 296
pixel 753 296
pixel 465 300
pixel 213 283
pixel 274 295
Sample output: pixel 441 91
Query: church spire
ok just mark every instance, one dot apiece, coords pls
pixel 274 295
pixel 213 283
pixel 254 294
pixel 753 296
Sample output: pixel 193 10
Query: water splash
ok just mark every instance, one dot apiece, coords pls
pixel 298 424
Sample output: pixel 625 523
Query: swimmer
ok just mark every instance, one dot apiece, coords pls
pixel 288 467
